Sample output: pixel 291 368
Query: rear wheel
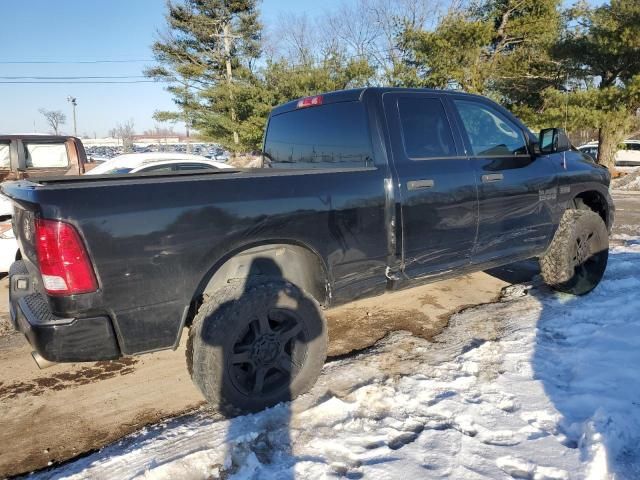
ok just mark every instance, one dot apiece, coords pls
pixel 577 257
pixel 250 349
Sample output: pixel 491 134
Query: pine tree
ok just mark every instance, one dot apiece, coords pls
pixel 207 55
pixel 498 48
pixel 599 49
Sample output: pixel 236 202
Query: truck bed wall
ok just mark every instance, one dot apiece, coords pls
pixel 152 242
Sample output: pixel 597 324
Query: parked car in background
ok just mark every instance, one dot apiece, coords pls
pixel 590 149
pixel 627 158
pixel 33 155
pixel 220 155
pixel 9 251
pixel 157 162
pixel 38 156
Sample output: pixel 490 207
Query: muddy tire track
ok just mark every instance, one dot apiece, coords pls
pixel 63 380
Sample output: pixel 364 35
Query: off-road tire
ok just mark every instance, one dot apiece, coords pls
pixel 218 337
pixel 577 257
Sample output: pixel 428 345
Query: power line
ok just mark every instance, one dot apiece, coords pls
pixel 73 61
pixel 65 82
pixel 79 77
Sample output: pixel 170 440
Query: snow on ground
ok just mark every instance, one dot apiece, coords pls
pixel 627 182
pixel 540 386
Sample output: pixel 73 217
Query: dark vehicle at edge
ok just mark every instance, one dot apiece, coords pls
pixel 368 190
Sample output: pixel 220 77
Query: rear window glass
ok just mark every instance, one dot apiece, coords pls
pixel 4 155
pixel 158 168
pixel 195 166
pixel 425 128
pixel 46 155
pixel 329 136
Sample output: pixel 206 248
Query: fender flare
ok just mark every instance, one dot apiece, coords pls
pixel 255 263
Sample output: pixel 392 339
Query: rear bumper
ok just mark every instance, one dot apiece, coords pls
pixel 55 338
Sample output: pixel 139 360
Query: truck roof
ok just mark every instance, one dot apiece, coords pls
pixel 357 94
pixel 37 136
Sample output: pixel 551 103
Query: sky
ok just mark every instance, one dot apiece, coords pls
pixel 88 31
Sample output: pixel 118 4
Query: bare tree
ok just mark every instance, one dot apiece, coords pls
pixel 298 37
pixel 161 131
pixel 359 29
pixel 126 132
pixel 54 118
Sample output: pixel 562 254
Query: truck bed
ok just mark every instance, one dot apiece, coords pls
pixel 152 238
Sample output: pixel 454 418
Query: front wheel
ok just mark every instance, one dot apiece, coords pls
pixel 577 257
pixel 252 348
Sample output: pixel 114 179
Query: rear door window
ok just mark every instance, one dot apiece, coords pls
pixel 46 155
pixel 426 132
pixel 333 135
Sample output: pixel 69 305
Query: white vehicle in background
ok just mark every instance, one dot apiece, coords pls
pixel 133 163
pixel 627 158
pixel 9 250
pixel 156 162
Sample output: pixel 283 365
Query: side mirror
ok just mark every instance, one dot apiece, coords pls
pixel 553 140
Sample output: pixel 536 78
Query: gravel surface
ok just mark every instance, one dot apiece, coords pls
pixel 5 326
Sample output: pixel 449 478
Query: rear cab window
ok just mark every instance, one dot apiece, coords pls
pixel 46 155
pixel 333 135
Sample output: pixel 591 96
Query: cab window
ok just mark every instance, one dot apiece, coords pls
pixel 426 132
pixel 46 155
pixel 333 135
pixel 490 133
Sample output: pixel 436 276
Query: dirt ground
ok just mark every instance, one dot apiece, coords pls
pixel 55 414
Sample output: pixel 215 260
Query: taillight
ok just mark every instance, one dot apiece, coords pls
pixel 310 101
pixel 64 263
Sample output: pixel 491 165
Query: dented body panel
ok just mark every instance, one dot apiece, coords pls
pixel 158 242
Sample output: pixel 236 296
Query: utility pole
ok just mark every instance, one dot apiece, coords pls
pixel 227 51
pixel 187 119
pixel 74 104
pixel 188 139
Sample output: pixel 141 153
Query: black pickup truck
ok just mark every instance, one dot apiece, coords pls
pixel 363 191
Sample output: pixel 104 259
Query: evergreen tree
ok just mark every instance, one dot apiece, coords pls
pixel 600 50
pixel 498 48
pixel 208 54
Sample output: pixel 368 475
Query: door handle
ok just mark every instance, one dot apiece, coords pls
pixel 493 177
pixel 420 184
